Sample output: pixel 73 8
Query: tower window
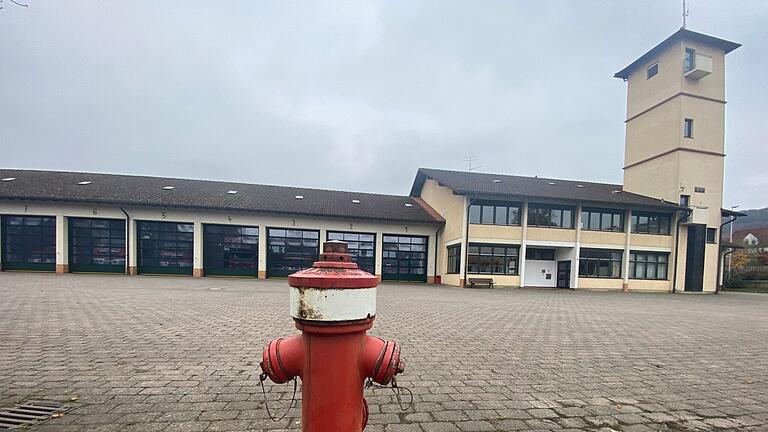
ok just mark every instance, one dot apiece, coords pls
pixel 653 70
pixel 711 235
pixel 688 128
pixel 685 200
pixel 690 59
pixel 699 189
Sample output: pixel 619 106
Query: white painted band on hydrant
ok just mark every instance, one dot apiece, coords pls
pixel 315 304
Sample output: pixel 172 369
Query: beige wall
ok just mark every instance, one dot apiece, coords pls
pixel 603 238
pixel 448 205
pixel 551 235
pixel 643 93
pixel 600 283
pixel 494 233
pixel 658 242
pixel 650 285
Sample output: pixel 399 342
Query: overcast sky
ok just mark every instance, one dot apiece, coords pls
pixel 354 95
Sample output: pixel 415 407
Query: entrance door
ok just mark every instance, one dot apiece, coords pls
pixel 404 258
pixel 563 274
pixel 694 258
pixel 29 243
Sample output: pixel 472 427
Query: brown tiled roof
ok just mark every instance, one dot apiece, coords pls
pixel 509 186
pixel 204 194
pixel 760 233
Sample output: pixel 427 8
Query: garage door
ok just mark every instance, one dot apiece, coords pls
pixel 291 250
pixel 96 245
pixel 404 258
pixel 230 250
pixel 362 247
pixel 29 243
pixel 165 247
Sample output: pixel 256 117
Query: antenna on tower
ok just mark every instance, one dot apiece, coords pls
pixel 686 12
pixel 469 159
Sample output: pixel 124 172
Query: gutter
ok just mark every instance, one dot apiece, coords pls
pixel 721 258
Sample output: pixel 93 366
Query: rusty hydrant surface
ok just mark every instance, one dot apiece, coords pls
pixel 333 304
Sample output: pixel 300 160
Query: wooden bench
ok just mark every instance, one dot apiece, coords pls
pixel 486 282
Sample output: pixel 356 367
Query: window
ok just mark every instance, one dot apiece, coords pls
pixel 688 128
pixel 454 259
pixel 651 223
pixel 690 59
pixel 540 254
pixel 699 189
pixel 361 246
pixel 492 259
pixel 712 235
pixel 494 213
pixel 600 263
pixel 404 258
pixel 685 200
pixel 652 70
pixel 648 265
pixel 291 250
pixel 96 245
pixel 230 250
pixel 165 247
pixel 602 219
pixel 550 216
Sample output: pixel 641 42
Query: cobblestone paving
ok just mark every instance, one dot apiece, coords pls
pixel 181 354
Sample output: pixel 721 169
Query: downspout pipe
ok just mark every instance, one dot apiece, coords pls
pixel 127 240
pixel 680 219
pixel 721 258
pixel 437 249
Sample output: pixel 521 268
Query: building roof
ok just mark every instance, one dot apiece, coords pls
pixel 731 213
pixel 725 45
pixel 509 186
pixel 130 190
pixel 760 233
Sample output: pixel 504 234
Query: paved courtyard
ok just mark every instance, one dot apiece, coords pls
pixel 181 354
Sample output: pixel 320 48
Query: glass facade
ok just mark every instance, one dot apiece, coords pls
pixel 550 216
pixel 96 245
pixel 29 243
pixel 165 247
pixel 494 213
pixel 600 263
pixel 362 247
pixel 540 254
pixel 291 250
pixel 404 258
pixel 593 219
pixel 651 223
pixel 492 259
pixel 230 250
pixel 648 265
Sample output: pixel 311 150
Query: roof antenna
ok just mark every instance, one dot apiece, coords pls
pixel 686 12
pixel 470 159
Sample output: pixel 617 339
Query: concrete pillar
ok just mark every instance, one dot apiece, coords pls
pixel 133 247
pixel 197 250
pixel 431 254
pixel 523 242
pixel 379 254
pixel 1 243
pixel 262 252
pixel 627 246
pixel 576 250
pixel 62 244
pixel 464 242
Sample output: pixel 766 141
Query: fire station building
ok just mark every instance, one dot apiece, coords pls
pixel 658 231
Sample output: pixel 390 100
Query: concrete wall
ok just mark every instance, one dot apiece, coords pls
pixel 199 217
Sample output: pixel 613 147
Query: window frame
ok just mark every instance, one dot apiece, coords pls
pixel 634 260
pixel 689 61
pixel 652 70
pixel 506 258
pixel 481 206
pixel 544 211
pixel 711 235
pixel 585 261
pixel 688 128
pixel 586 222
pixel 648 215
pixel 453 255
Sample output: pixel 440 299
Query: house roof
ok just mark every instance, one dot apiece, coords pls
pixel 760 233
pixel 133 190
pixel 726 46
pixel 509 186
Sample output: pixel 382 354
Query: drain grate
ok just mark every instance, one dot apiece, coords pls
pixel 30 413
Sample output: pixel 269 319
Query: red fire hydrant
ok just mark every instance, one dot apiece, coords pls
pixel 333 304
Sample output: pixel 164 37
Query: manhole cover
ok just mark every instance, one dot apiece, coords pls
pixel 30 413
